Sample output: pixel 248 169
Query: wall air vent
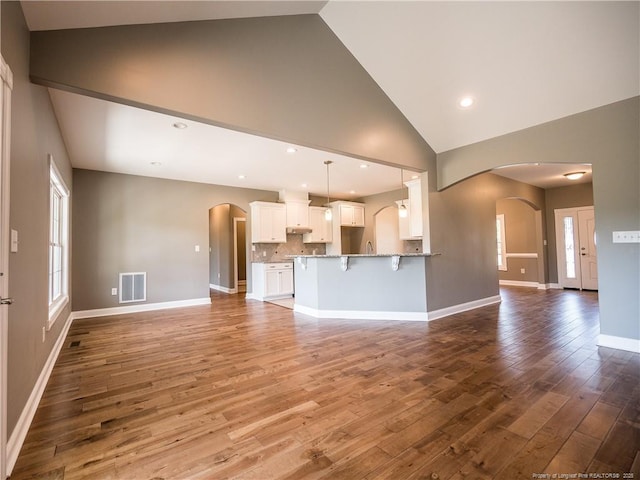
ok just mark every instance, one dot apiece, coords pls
pixel 133 287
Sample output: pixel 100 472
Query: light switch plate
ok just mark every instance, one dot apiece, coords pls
pixel 14 241
pixel 632 236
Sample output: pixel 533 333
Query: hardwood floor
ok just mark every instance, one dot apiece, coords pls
pixel 250 390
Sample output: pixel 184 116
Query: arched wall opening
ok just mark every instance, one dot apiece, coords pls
pixel 521 241
pixel 228 248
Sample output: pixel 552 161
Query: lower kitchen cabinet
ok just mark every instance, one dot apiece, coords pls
pixel 272 280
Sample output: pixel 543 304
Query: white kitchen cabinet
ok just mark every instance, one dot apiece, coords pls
pixel 350 214
pixel 414 207
pixel 321 228
pixel 272 280
pixel 268 222
pixel 297 213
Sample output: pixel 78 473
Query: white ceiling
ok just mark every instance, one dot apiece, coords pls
pixel 111 137
pixel 525 63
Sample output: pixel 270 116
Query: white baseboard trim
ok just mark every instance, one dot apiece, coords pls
pixel 463 307
pixel 143 307
pixel 220 288
pixel 362 314
pixel 519 283
pixel 619 343
pixel 15 441
pixel 253 296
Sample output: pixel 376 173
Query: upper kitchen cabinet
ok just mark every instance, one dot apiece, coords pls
pixel 297 213
pixel 350 214
pixel 268 222
pixel 320 227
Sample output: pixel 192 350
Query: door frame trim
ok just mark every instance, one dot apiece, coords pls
pixel 236 281
pixel 5 139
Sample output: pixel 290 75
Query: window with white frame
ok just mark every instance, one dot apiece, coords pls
pixel 501 241
pixel 58 243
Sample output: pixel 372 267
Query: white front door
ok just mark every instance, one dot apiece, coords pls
pixel 587 239
pixel 576 248
pixel 5 132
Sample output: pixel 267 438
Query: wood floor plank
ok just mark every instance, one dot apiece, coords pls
pixel 540 412
pixel 575 455
pixel 599 420
pixel 249 390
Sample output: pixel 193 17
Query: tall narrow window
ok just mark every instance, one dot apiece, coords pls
pixel 569 248
pixel 502 249
pixel 58 243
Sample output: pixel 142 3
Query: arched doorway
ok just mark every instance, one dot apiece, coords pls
pixel 520 243
pixel 387 233
pixel 227 248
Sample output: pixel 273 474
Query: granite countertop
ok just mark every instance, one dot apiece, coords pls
pixel 367 255
pixel 289 259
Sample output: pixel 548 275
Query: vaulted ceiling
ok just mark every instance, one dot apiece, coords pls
pixel 522 63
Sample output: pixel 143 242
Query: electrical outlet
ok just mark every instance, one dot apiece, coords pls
pixel 114 291
pixel 264 253
pixel 197 248
pixel 522 270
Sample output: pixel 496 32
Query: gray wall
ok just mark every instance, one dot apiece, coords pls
pixel 34 134
pixel 580 195
pixel 128 223
pixel 607 138
pixel 462 222
pixel 288 78
pixel 369 284
pixel 463 231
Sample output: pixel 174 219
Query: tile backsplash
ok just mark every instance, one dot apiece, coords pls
pixel 277 252
pixel 412 246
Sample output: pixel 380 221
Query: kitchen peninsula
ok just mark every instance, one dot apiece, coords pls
pixel 362 286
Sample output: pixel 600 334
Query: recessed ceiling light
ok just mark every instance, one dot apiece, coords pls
pixel 242 177
pixel 574 175
pixel 352 192
pixel 304 185
pixel 466 102
pixel 180 125
pixel 413 177
pixel 292 150
pixel 156 164
pixel 364 165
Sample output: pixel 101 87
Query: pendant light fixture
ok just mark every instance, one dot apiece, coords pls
pixel 402 210
pixel 328 214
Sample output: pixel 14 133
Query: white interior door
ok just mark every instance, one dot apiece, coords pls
pixel 588 258
pixel 576 248
pixel 5 135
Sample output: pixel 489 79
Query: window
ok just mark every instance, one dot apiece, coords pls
pixel 58 243
pixel 569 248
pixel 502 247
